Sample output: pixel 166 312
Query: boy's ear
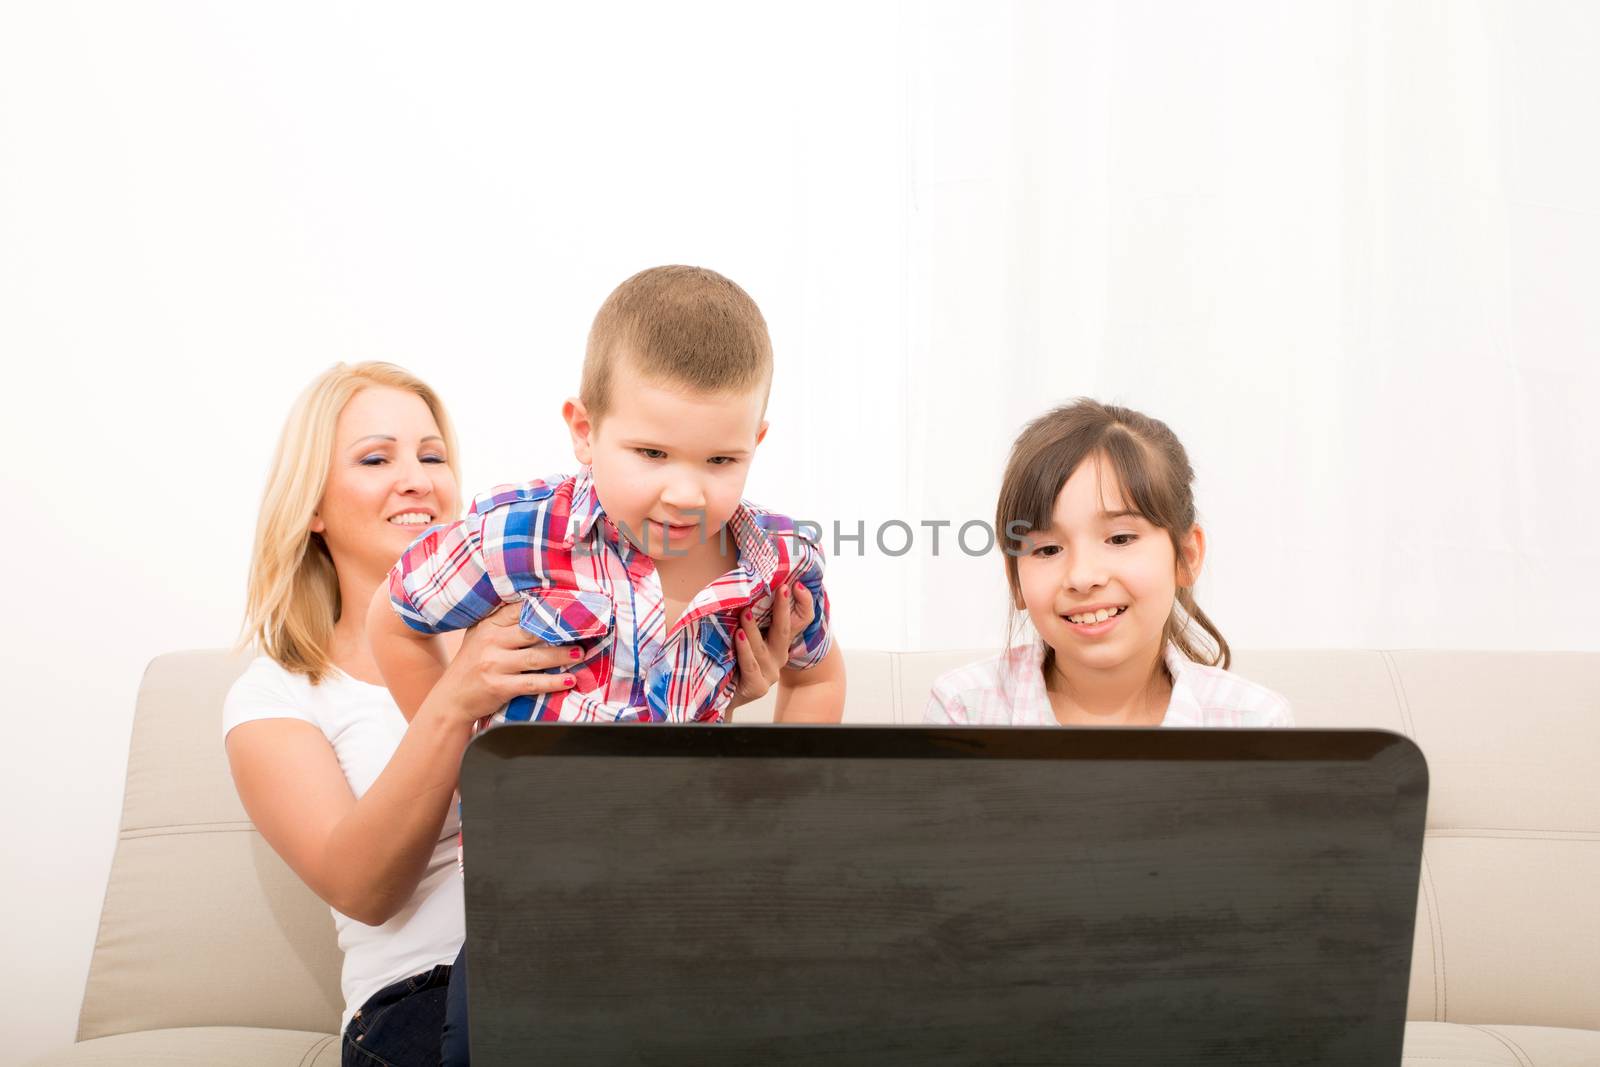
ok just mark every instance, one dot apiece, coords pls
pixel 1191 556
pixel 761 433
pixel 581 427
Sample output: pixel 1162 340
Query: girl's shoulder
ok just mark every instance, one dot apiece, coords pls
pixel 1003 689
pixel 982 674
pixel 1203 695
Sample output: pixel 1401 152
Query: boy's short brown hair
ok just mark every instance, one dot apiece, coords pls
pixel 685 326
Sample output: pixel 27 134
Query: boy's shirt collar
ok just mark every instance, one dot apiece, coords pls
pixel 586 509
pixel 756 557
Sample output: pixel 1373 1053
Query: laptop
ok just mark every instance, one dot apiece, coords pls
pixel 872 895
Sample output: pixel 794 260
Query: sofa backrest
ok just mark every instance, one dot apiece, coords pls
pixel 203 925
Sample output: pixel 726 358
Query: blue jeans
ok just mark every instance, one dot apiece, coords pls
pixel 399 1026
pixel 454 1049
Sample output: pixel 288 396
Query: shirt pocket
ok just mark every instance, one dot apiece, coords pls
pixel 720 662
pixel 716 641
pixel 568 617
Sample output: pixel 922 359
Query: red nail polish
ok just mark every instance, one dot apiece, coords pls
pixel 571 681
pixel 738 635
pixel 575 654
pixel 784 591
pixel 750 616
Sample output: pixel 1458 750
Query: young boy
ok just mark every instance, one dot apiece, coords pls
pixel 647 561
pixel 647 558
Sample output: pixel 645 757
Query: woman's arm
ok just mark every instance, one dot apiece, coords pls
pixel 365 857
pixel 815 694
pixel 411 662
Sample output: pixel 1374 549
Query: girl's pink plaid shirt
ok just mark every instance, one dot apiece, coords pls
pixel 1008 690
pixel 549 545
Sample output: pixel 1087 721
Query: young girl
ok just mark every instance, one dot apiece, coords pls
pixel 1097 526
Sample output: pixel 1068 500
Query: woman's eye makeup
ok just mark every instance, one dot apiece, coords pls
pixel 378 459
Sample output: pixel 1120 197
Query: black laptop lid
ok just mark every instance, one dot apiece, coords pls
pixel 862 895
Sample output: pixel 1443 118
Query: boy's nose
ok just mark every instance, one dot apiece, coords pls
pixel 683 494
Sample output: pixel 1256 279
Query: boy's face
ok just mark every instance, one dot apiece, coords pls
pixel 669 464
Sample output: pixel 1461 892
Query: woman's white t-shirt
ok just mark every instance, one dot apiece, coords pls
pixel 364 727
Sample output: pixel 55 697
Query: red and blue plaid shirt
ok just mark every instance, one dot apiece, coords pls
pixel 550 546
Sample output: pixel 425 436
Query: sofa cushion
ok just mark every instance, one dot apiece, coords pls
pixel 1427 1045
pixel 1461 1045
pixel 202 1046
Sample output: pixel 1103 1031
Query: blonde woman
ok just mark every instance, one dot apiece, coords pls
pixel 355 801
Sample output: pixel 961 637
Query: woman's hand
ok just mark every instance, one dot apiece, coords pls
pixel 498 660
pixel 761 658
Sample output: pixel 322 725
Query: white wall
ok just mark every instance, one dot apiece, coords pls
pixel 1349 251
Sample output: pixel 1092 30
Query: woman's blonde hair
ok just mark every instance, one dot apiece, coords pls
pixel 293 599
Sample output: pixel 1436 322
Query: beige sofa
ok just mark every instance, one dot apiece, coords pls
pixel 211 952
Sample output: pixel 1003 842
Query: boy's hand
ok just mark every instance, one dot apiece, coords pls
pixel 761 658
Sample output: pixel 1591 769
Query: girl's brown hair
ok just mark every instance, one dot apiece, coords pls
pixel 1156 479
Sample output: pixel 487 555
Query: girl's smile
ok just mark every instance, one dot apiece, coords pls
pixel 1095 620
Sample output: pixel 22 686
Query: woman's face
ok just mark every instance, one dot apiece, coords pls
pixel 388 480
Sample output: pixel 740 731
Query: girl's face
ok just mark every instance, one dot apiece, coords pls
pixel 1100 582
pixel 388 480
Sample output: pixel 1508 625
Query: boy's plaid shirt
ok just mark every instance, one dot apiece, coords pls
pixel 549 545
